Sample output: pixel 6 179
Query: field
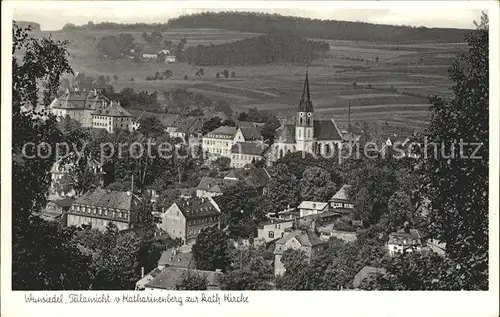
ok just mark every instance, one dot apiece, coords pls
pixel 384 83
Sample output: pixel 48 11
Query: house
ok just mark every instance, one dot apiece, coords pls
pixel 56 209
pixel 365 273
pixel 171 276
pixel 169 58
pixel 328 231
pixel 149 56
pixel 405 241
pixel 212 186
pixel 341 201
pixel 175 257
pixel 318 137
pixel 273 229
pixel 315 220
pixel 79 105
pixel 307 208
pixel 62 168
pixel 254 176
pixel 247 153
pixel 101 206
pixel 188 192
pixel 306 241
pixel 220 141
pixel 112 118
pixel 145 279
pixel 189 130
pixel 185 218
pixel 286 214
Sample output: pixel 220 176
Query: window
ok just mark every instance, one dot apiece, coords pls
pixel 300 132
pixel 271 234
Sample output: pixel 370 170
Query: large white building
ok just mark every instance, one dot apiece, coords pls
pixel 308 134
pixel 112 118
pixel 219 142
pixel 79 105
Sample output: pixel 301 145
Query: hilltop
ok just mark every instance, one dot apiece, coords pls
pixel 263 23
pixel 24 24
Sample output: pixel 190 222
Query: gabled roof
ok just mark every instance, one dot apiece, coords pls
pixel 171 276
pixel 257 177
pixel 222 130
pixel 173 257
pixel 80 100
pixel 312 205
pixel 286 134
pixel 308 239
pixel 249 148
pixel 190 126
pixel 114 110
pixel 341 194
pixel 195 207
pixel 213 184
pixel 64 202
pixel 250 132
pixel 326 130
pixel 110 199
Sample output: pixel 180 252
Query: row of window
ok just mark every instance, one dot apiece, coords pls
pixel 244 157
pixel 219 151
pixel 100 211
pixel 214 142
pixel 201 221
pixel 308 133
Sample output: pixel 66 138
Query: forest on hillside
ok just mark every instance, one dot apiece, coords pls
pixel 313 28
pixel 265 49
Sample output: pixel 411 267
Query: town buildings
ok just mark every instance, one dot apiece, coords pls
pixel 247 153
pixel 78 105
pixel 307 208
pixel 102 206
pixel 112 118
pixel 405 241
pixel 170 277
pixel 185 218
pixel 219 142
pixel 213 186
pixel 308 134
pixel 340 201
pixel 306 241
pixel 273 229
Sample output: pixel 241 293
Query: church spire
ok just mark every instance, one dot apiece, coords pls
pixel 305 104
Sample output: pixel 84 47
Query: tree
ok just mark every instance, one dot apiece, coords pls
pixel 192 282
pixel 458 188
pixel 108 45
pixel 316 184
pixel 222 163
pixel 211 124
pixel 233 74
pixel 225 73
pixel 210 251
pixel 217 75
pixel 59 263
pixel 151 126
pixel 282 188
pixel 167 74
pixel 254 275
pixel 296 266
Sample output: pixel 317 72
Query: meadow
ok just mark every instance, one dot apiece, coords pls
pixel 386 83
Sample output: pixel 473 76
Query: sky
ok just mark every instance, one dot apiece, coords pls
pixel 53 15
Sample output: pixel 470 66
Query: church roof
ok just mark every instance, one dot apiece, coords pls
pixel 326 130
pixel 305 104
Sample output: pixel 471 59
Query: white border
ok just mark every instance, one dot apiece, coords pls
pixel 280 303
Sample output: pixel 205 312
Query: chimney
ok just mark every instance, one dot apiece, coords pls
pixel 142 272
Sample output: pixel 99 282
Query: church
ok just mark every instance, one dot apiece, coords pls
pixel 318 137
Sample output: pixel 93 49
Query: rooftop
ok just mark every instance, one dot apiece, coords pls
pixel 171 276
pixel 273 222
pixel 223 130
pixel 341 194
pixel 195 207
pixel 109 199
pixel 312 205
pixel 174 257
pixel 249 148
pixel 308 239
pixel 114 110
pixel 326 130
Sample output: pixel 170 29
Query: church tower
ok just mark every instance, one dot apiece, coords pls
pixel 304 124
